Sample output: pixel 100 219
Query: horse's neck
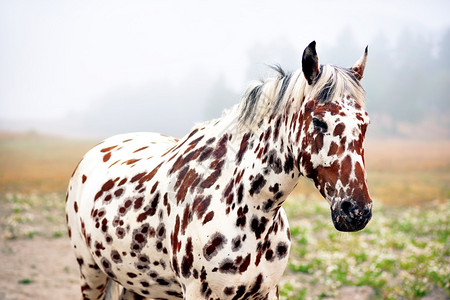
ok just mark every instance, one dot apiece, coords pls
pixel 260 165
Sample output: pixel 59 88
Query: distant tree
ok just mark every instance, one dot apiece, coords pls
pixel 345 52
pixel 440 85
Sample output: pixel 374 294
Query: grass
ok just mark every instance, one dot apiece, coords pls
pixel 403 253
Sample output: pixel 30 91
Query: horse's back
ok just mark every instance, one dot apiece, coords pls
pixel 119 155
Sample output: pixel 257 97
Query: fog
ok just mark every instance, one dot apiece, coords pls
pixel 85 69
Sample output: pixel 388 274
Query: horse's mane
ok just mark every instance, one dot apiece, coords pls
pixel 332 84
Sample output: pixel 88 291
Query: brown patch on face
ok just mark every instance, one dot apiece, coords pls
pixel 333 149
pixel 346 169
pixel 339 129
pixel 359 172
pixel 83 178
pixel 317 144
pixel 341 149
pixel 328 175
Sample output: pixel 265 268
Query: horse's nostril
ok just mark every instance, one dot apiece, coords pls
pixel 345 207
pixel 367 212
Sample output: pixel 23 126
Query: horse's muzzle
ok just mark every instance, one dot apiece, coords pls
pixel 347 215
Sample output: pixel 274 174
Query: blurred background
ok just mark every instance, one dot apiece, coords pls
pixel 85 69
pixel 75 72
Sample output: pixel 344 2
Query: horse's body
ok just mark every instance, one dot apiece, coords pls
pixel 201 217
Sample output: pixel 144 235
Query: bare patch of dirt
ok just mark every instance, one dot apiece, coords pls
pixel 38 269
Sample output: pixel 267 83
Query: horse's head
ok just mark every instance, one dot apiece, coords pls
pixel 334 124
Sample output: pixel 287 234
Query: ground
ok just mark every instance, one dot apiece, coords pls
pixel 38 268
pixel 403 253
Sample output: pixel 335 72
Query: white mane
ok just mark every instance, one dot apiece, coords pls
pixel 266 97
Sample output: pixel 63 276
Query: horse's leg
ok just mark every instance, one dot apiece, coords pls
pixel 93 280
pixel 129 295
pixel 196 290
pixel 274 294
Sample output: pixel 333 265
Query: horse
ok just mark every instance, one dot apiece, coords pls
pixel 201 217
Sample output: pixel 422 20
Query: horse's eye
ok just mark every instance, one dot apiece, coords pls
pixel 319 124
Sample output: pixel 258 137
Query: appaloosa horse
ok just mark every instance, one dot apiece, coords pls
pixel 202 217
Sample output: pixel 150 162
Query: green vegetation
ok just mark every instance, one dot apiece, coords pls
pixel 30 215
pixel 402 253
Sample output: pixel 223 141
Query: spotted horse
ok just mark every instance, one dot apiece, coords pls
pixel 201 217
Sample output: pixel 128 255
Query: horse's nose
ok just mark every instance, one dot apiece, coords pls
pixel 351 210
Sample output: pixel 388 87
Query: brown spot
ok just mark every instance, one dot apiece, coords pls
pixel 211 179
pixel 208 217
pixel 83 178
pixel 108 149
pixel 200 205
pixel 333 149
pixel 214 245
pixel 243 147
pixel 118 193
pixel 186 264
pixel 130 161
pixel 150 175
pixel 108 185
pixel 187 218
pixel 138 176
pixel 281 250
pixel 257 184
pixel 154 187
pixel 106 157
pixel 346 169
pixel 190 177
pixel 140 149
pixel 318 143
pixel 339 129
pixel 228 291
pixel 276 131
pixel 174 235
pixel 244 265
pixel 221 148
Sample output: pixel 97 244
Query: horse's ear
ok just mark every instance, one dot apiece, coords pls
pixel 310 63
pixel 359 66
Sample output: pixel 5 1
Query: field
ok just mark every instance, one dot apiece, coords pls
pixel 404 253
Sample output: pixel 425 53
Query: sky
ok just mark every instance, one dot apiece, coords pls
pixel 62 58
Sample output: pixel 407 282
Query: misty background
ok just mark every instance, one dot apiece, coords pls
pixel 94 69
